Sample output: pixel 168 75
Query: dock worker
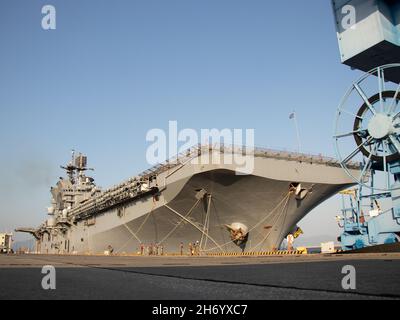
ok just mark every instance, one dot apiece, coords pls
pixel 181 246
pixel 290 240
pixel 142 249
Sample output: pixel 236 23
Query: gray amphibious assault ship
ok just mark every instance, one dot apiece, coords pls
pixel 186 200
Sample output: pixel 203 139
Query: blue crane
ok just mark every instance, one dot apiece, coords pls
pixel 367 126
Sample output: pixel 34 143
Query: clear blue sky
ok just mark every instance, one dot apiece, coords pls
pixel 112 70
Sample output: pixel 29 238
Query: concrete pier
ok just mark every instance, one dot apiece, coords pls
pixel 202 278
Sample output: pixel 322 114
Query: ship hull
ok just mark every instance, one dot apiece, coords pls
pixel 266 202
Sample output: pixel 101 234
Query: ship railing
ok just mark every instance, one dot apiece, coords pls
pixel 194 152
pixel 257 152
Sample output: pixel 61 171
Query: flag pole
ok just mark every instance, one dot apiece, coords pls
pixel 293 116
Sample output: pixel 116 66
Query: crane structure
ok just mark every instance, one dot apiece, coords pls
pixel 367 126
